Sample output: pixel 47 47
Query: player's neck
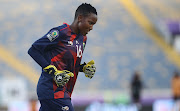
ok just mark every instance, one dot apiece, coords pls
pixel 74 28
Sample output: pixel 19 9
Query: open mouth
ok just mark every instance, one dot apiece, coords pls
pixel 87 31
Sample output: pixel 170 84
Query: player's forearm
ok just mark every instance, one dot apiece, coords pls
pixel 38 57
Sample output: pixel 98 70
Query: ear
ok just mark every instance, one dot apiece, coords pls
pixel 80 17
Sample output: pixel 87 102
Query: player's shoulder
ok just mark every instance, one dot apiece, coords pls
pixel 60 30
pixel 61 27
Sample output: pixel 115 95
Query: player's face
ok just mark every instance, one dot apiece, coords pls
pixel 86 23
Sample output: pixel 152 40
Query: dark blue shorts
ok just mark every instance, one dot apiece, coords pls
pixel 56 105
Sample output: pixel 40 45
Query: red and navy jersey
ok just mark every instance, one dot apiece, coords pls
pixel 63 49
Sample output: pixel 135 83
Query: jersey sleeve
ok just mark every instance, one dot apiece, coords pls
pixel 48 41
pixel 45 43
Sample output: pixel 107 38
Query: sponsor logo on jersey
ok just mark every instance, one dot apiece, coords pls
pixel 65 108
pixel 53 35
pixel 70 43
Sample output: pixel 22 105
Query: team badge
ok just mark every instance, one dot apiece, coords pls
pixel 53 35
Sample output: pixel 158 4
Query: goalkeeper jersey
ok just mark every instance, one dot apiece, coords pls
pixel 63 49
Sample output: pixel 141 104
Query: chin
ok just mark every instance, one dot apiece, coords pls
pixel 84 34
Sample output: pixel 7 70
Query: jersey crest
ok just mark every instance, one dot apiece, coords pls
pixel 53 35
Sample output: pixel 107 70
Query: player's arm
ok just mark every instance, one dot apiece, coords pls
pixel 60 77
pixel 38 57
pixel 89 69
pixel 42 45
pixel 38 50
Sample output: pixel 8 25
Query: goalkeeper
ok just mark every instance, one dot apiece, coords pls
pixel 59 53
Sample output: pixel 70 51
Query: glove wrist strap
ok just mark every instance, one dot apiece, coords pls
pixel 81 67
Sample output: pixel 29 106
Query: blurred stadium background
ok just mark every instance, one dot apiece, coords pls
pixel 129 35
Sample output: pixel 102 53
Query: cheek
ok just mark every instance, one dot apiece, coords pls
pixel 79 25
pixel 82 26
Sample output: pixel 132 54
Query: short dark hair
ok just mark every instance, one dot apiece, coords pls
pixel 85 9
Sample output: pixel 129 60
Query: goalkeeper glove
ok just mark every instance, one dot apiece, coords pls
pixel 51 69
pixel 60 77
pixel 89 69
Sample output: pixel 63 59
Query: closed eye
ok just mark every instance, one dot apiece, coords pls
pixel 91 23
